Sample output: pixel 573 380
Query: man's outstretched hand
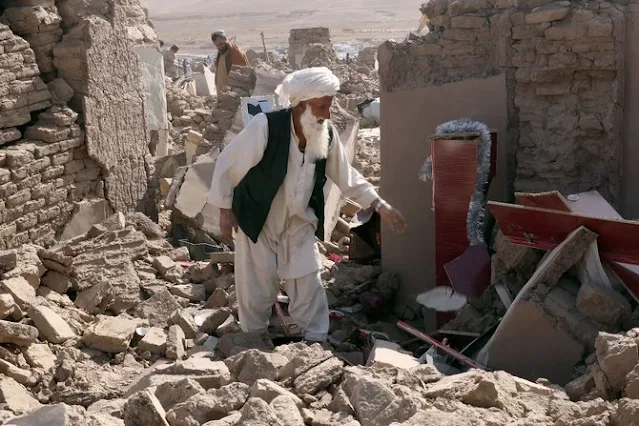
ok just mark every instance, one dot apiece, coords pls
pixel 228 223
pixel 392 217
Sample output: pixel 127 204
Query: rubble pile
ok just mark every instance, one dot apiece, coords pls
pixel 307 46
pixel 209 116
pixel 367 57
pixel 367 159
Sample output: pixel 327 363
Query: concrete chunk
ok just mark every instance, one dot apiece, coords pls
pixel 8 259
pixel 56 281
pixel 51 325
pixel 617 356
pixel 552 12
pixel 154 341
pixel 602 304
pixel 23 293
pixel 163 264
pixel 16 398
pixel 39 355
pixel 175 343
pixel 110 334
pixel 185 321
pixel 16 333
pixel 144 409
pixel 171 393
pixel 319 378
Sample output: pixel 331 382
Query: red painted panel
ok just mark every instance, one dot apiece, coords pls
pixel 454 178
pixel 545 229
pixel 629 278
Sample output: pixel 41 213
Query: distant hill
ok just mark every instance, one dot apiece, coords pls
pixel 189 22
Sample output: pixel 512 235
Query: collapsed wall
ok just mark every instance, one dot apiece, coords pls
pixel 563 63
pixel 53 157
pixel 310 47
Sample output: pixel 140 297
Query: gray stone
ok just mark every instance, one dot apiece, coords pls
pixel 258 413
pixel 267 390
pixel 158 309
pixel 23 293
pixel 8 259
pixel 602 304
pixel 110 334
pixel 319 377
pixel 175 343
pixel 51 325
pixel 185 320
pixel 617 356
pixel 287 411
pixel 16 398
pixel 214 405
pixel 549 13
pixel 56 281
pixel 154 341
pixel 16 333
pixel 172 393
pixel 252 365
pixel 144 409
pixel 214 320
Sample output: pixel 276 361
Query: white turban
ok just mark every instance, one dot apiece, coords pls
pixel 307 84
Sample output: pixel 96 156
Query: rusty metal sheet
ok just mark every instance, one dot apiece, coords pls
pixel 546 229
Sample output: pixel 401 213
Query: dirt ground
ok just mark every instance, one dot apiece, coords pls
pixel 353 23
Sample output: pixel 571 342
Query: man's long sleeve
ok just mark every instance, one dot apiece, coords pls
pixel 243 153
pixel 349 181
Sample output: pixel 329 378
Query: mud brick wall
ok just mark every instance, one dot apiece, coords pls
pixel 41 177
pixel 564 67
pixel 54 156
pixel 38 22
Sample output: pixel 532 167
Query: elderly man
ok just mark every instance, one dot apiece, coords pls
pixel 268 183
pixel 228 54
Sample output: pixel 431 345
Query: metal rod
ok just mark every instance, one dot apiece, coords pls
pixel 426 338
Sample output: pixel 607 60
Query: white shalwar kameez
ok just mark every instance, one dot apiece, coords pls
pixel 286 248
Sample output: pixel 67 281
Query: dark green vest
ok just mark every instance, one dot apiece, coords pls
pixel 254 194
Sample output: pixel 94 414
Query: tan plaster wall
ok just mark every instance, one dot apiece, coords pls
pixel 409 118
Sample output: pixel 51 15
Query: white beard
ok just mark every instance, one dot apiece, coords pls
pixel 316 135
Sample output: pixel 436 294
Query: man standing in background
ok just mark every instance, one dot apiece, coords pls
pixel 228 54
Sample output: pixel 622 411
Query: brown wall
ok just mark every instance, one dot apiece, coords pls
pixel 630 174
pixel 409 118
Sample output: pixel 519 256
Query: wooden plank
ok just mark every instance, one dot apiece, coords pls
pixel 552 200
pixel 454 182
pixel 546 229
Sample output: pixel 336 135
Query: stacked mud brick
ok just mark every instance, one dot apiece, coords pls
pixel 38 22
pixel 21 89
pixel 41 177
pixel 564 65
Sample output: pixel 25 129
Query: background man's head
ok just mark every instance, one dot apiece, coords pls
pixel 220 41
pixel 161 43
pixel 175 49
